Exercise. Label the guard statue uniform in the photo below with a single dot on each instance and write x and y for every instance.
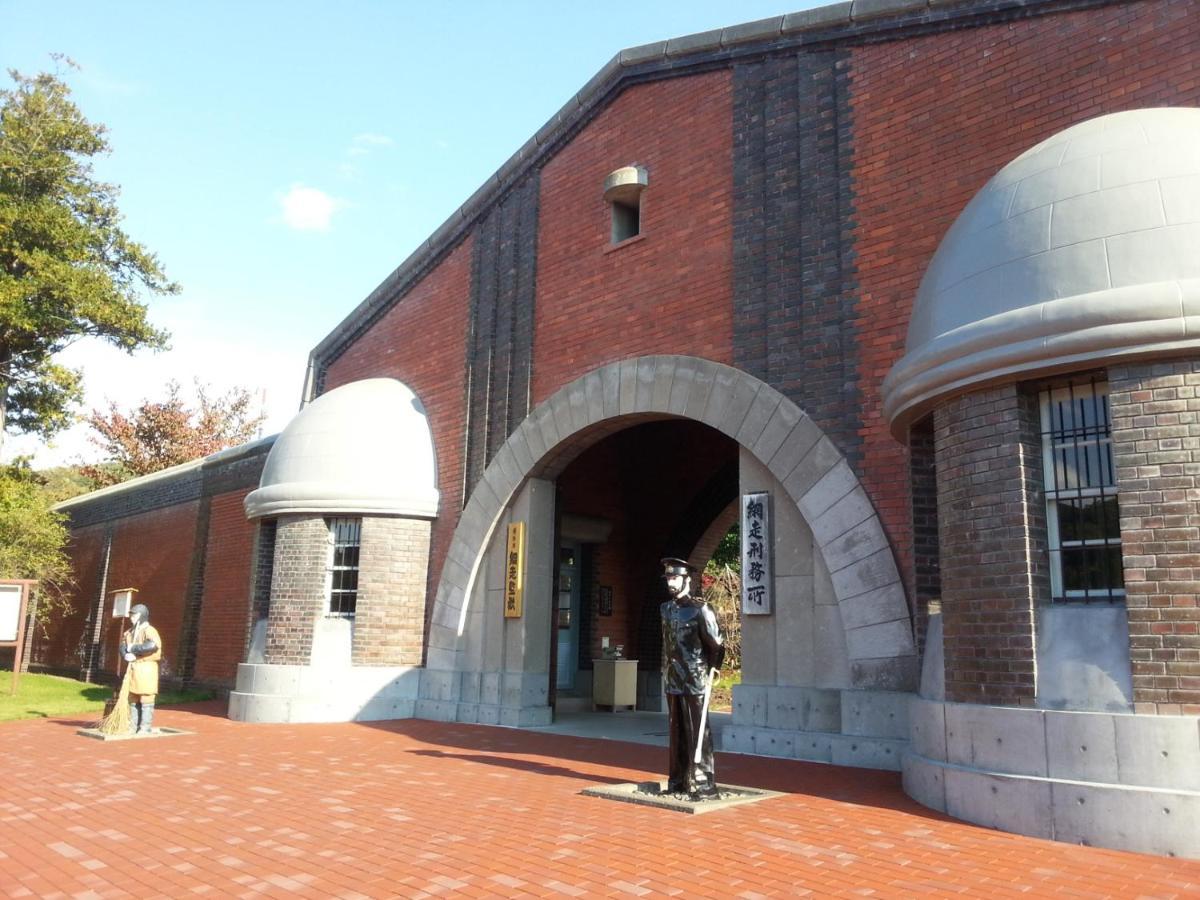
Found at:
(693, 648)
(142, 649)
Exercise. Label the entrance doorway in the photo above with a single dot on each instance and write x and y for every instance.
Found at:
(567, 610)
(650, 490)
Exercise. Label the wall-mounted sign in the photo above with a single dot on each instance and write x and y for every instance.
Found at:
(605, 600)
(10, 612)
(514, 571)
(757, 585)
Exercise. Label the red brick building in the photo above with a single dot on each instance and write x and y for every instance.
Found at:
(727, 266)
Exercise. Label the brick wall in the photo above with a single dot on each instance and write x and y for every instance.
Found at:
(991, 522)
(665, 291)
(298, 588)
(500, 342)
(389, 622)
(221, 640)
(153, 553)
(264, 566)
(793, 290)
(58, 645)
(935, 116)
(1155, 411)
(927, 578)
(422, 342)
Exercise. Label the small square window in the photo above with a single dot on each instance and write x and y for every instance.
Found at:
(623, 192)
(626, 221)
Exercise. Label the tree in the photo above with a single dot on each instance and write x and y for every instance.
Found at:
(32, 538)
(67, 270)
(164, 433)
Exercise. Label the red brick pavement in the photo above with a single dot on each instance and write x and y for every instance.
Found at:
(413, 809)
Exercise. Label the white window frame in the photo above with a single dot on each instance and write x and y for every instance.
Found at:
(1099, 479)
(343, 532)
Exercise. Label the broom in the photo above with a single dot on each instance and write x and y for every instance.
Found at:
(117, 721)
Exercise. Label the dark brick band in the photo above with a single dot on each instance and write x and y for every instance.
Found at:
(500, 339)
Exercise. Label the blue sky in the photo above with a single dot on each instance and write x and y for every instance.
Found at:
(282, 158)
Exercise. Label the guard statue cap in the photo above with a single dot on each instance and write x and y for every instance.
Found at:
(674, 566)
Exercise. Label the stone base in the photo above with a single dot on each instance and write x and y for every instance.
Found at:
(98, 735)
(812, 746)
(277, 693)
(652, 793)
(1127, 782)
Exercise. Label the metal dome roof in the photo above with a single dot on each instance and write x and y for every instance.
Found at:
(1084, 249)
(363, 448)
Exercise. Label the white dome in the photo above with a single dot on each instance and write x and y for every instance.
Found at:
(363, 448)
(1082, 250)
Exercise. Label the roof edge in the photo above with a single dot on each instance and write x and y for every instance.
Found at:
(221, 457)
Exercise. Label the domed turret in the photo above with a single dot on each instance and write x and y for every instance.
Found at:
(363, 448)
(1084, 248)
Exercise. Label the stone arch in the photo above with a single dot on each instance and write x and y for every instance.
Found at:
(813, 473)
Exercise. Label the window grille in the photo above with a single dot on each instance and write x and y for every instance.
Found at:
(1082, 519)
(344, 538)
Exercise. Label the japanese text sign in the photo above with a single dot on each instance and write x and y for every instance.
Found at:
(514, 571)
(756, 554)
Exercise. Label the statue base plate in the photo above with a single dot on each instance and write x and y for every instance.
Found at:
(97, 734)
(652, 793)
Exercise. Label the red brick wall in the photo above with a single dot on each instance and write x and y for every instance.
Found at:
(935, 117)
(57, 647)
(422, 342)
(225, 607)
(153, 553)
(667, 291)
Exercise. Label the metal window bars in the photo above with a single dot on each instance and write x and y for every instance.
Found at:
(345, 538)
(1082, 519)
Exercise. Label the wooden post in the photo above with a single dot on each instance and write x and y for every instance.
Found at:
(18, 645)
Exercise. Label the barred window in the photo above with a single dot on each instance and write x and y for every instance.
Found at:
(344, 540)
(1082, 523)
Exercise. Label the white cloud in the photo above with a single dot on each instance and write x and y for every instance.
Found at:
(308, 209)
(369, 139)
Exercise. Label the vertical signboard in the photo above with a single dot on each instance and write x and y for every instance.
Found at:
(14, 603)
(10, 612)
(757, 585)
(514, 571)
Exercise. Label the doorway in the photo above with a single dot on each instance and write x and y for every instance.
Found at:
(567, 612)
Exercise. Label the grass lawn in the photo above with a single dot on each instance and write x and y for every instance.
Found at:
(722, 696)
(43, 696)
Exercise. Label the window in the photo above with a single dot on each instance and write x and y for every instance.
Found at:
(623, 193)
(1082, 523)
(626, 220)
(344, 540)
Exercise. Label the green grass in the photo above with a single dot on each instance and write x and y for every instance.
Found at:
(722, 696)
(45, 696)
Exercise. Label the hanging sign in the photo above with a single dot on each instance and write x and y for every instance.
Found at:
(514, 571)
(756, 554)
(122, 602)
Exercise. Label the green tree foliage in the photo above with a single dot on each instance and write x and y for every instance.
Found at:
(164, 433)
(67, 270)
(729, 551)
(32, 537)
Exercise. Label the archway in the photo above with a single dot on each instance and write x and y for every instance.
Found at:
(810, 470)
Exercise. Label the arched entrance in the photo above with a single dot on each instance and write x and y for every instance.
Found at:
(787, 446)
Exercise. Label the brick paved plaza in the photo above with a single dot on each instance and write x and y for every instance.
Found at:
(415, 809)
